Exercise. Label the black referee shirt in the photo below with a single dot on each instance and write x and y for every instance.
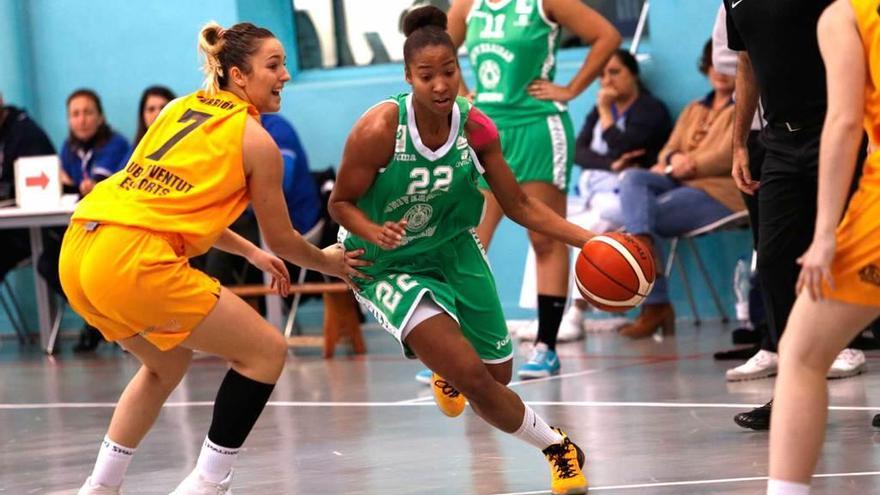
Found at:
(780, 38)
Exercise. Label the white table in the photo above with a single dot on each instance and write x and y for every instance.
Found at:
(34, 220)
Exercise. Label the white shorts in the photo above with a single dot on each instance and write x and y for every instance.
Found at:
(426, 309)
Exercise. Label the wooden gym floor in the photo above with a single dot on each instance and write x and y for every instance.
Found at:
(653, 418)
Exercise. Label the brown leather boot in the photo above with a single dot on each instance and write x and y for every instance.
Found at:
(652, 317)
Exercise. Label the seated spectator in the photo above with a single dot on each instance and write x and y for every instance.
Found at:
(93, 151)
(688, 188)
(627, 128)
(153, 100)
(303, 206)
(19, 137)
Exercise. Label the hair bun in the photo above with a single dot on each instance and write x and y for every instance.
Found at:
(423, 17)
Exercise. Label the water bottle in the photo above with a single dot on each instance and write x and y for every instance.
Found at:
(741, 286)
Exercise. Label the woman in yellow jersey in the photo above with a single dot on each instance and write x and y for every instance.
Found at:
(124, 262)
(839, 283)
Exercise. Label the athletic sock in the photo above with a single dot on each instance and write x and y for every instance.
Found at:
(779, 487)
(215, 461)
(550, 311)
(536, 432)
(113, 460)
(239, 402)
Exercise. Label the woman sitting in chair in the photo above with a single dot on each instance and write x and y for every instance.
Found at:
(690, 187)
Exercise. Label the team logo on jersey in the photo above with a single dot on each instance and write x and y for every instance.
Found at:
(400, 143)
(405, 157)
(490, 74)
(418, 216)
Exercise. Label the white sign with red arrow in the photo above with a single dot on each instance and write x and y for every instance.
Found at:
(38, 182)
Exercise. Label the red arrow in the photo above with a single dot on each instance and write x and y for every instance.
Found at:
(42, 180)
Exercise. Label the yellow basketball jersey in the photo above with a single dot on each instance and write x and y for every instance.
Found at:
(868, 19)
(185, 177)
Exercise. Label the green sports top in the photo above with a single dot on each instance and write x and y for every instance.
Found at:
(511, 43)
(434, 190)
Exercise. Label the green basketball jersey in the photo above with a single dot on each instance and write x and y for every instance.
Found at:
(434, 190)
(510, 44)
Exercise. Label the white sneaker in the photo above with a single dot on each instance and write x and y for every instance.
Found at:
(194, 484)
(850, 362)
(89, 489)
(764, 364)
(571, 327)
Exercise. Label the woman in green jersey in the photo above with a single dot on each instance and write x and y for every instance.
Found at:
(407, 192)
(512, 47)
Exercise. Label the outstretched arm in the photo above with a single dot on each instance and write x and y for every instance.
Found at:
(522, 209)
(264, 171)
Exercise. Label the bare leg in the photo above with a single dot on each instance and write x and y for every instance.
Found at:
(491, 218)
(815, 334)
(551, 256)
(439, 343)
(142, 399)
(502, 372)
(232, 330)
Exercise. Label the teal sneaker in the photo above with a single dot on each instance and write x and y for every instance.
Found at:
(541, 364)
(424, 376)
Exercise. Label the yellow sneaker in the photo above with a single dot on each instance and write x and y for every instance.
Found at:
(566, 461)
(449, 400)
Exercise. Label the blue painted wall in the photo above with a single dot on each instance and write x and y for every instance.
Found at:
(16, 75)
(118, 48)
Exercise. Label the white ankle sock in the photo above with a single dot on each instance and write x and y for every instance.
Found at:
(113, 460)
(536, 432)
(779, 487)
(215, 461)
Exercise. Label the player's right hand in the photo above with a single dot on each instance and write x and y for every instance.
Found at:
(740, 172)
(391, 235)
(816, 266)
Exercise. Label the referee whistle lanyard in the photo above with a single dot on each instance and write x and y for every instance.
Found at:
(85, 157)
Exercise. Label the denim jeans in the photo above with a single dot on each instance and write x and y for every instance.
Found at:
(656, 205)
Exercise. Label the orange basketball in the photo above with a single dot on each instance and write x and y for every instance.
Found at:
(615, 272)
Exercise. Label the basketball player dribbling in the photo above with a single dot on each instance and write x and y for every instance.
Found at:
(407, 195)
(839, 283)
(124, 261)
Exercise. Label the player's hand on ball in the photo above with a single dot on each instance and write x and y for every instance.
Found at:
(391, 235)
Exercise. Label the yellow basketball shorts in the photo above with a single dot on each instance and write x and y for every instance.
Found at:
(856, 265)
(129, 281)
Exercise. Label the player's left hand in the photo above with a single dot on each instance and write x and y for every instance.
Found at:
(816, 267)
(543, 89)
(275, 267)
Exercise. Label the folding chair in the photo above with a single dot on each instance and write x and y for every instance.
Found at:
(13, 311)
(734, 220)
